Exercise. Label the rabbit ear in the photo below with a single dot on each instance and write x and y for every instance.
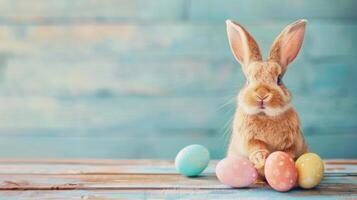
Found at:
(287, 45)
(242, 44)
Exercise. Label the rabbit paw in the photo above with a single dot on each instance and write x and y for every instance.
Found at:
(258, 158)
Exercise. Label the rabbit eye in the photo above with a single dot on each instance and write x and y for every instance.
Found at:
(279, 80)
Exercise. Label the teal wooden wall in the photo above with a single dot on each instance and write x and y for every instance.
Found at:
(143, 78)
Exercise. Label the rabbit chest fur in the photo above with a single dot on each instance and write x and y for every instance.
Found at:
(281, 133)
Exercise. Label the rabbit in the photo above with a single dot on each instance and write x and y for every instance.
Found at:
(264, 120)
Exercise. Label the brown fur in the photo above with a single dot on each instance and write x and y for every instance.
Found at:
(265, 121)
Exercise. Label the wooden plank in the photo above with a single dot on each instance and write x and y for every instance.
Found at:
(127, 41)
(109, 10)
(91, 166)
(42, 11)
(333, 168)
(329, 185)
(102, 184)
(112, 113)
(210, 10)
(164, 145)
(171, 77)
(74, 116)
(315, 115)
(132, 162)
(323, 79)
(244, 194)
(327, 40)
(124, 40)
(121, 162)
(174, 77)
(332, 147)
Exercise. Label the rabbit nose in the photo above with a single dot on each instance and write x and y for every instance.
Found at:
(262, 93)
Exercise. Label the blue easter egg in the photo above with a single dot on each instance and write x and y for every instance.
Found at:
(192, 160)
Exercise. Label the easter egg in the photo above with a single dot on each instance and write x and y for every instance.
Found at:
(236, 171)
(310, 170)
(192, 160)
(280, 171)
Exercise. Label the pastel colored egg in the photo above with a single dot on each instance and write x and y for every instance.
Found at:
(310, 170)
(236, 171)
(192, 160)
(280, 171)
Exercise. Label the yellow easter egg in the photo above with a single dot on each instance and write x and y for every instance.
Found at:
(310, 170)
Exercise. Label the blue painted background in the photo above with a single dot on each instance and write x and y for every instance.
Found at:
(143, 78)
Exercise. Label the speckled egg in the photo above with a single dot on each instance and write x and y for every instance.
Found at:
(280, 171)
(192, 160)
(310, 170)
(236, 171)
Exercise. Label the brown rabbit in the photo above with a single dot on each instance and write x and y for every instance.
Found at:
(265, 120)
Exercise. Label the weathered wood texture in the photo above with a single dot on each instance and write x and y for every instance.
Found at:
(143, 78)
(148, 179)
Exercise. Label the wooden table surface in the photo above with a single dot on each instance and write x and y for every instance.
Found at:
(150, 179)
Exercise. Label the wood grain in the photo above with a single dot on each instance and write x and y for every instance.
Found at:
(71, 116)
(343, 184)
(101, 59)
(100, 146)
(271, 10)
(112, 179)
(112, 79)
(167, 194)
(52, 11)
(334, 168)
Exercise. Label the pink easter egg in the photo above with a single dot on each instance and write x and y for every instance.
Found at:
(236, 171)
(280, 171)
